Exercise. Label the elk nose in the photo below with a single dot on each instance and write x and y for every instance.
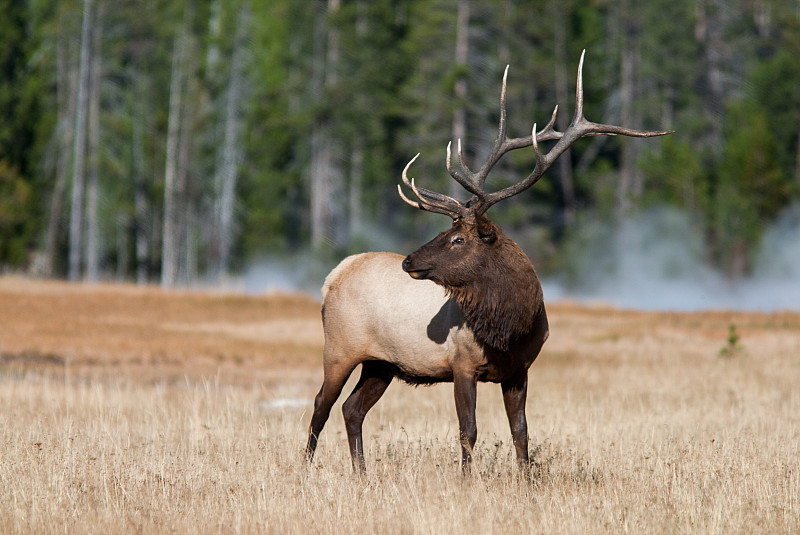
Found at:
(407, 263)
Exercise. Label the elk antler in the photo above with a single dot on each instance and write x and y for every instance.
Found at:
(431, 201)
(473, 181)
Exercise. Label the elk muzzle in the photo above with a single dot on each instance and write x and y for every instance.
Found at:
(416, 272)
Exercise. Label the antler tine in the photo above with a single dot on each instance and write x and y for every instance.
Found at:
(548, 132)
(408, 201)
(582, 127)
(465, 182)
(579, 91)
(405, 170)
(473, 181)
(431, 196)
(430, 201)
(535, 143)
(588, 128)
(501, 144)
(462, 163)
(501, 131)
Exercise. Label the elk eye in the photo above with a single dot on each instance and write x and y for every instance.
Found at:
(457, 240)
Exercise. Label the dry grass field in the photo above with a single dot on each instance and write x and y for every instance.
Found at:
(131, 410)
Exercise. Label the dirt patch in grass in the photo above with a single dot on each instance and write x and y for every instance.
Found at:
(146, 333)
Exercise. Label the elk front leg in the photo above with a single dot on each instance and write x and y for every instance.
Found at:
(515, 393)
(465, 389)
(375, 379)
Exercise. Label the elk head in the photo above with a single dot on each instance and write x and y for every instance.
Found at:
(458, 255)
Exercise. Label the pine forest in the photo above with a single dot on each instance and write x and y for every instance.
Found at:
(182, 142)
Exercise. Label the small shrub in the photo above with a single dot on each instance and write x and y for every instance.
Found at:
(732, 348)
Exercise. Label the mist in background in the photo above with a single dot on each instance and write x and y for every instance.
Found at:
(654, 261)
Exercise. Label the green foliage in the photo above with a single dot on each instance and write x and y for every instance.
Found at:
(675, 175)
(16, 198)
(774, 85)
(732, 348)
(381, 77)
(19, 120)
(18, 96)
(750, 186)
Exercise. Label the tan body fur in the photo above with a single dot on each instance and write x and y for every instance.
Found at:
(372, 310)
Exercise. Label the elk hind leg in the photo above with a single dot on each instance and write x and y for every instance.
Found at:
(375, 379)
(335, 378)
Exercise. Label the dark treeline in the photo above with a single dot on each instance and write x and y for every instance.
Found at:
(159, 140)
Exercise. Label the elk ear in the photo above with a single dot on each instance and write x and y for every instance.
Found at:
(486, 230)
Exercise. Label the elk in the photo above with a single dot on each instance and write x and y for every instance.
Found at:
(465, 307)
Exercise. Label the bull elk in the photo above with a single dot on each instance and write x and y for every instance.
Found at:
(465, 307)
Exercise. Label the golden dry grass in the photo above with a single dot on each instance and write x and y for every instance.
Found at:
(127, 410)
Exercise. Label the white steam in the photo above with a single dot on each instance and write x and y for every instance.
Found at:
(655, 262)
(652, 262)
(280, 274)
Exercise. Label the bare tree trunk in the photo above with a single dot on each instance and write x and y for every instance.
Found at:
(189, 271)
(709, 32)
(320, 186)
(356, 171)
(170, 247)
(356, 179)
(139, 193)
(562, 97)
(79, 150)
(326, 171)
(214, 32)
(66, 83)
(186, 217)
(231, 151)
(92, 260)
(461, 60)
(121, 223)
(631, 185)
(625, 187)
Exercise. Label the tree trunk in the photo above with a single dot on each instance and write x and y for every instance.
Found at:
(170, 246)
(186, 218)
(631, 186)
(563, 118)
(92, 224)
(66, 82)
(323, 173)
(138, 120)
(461, 62)
(121, 227)
(709, 32)
(79, 150)
(326, 172)
(356, 179)
(231, 152)
(214, 33)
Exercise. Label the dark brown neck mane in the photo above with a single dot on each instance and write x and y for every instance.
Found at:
(504, 300)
